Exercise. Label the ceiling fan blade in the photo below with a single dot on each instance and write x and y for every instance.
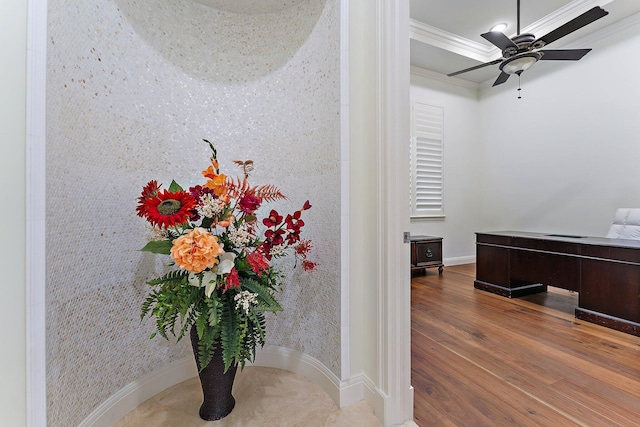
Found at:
(501, 79)
(575, 24)
(563, 54)
(499, 39)
(486, 64)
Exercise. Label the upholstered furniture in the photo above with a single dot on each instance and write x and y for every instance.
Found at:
(626, 224)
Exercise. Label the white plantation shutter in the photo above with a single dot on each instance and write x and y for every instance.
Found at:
(426, 160)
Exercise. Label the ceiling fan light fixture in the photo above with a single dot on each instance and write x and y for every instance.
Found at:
(519, 53)
(519, 63)
(499, 27)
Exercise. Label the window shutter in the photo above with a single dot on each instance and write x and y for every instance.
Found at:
(426, 160)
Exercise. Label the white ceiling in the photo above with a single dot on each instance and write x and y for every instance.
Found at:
(445, 34)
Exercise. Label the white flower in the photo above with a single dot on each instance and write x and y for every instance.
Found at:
(224, 266)
(157, 233)
(226, 263)
(278, 249)
(240, 237)
(210, 207)
(244, 299)
(206, 278)
(195, 280)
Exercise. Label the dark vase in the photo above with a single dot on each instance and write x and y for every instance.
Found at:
(216, 384)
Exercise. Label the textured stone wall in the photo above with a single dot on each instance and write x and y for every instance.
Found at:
(132, 88)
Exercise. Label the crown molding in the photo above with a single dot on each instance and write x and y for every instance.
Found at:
(428, 34)
(423, 72)
(451, 42)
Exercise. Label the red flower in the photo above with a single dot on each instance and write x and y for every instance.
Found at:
(232, 280)
(273, 220)
(249, 203)
(265, 250)
(294, 223)
(303, 248)
(257, 262)
(293, 237)
(198, 191)
(309, 265)
(148, 192)
(274, 237)
(167, 209)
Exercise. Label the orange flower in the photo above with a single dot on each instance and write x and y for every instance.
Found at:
(216, 182)
(196, 251)
(226, 220)
(212, 170)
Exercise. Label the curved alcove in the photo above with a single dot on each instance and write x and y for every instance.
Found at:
(221, 41)
(251, 7)
(132, 89)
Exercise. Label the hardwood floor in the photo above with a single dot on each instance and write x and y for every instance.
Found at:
(479, 359)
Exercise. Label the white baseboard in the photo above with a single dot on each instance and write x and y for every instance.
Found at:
(362, 388)
(373, 396)
(272, 356)
(459, 260)
(343, 393)
(135, 393)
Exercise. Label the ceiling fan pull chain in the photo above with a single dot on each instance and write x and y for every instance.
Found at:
(519, 96)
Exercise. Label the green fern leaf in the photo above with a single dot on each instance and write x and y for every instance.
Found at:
(267, 302)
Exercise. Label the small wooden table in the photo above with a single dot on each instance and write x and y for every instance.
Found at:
(426, 252)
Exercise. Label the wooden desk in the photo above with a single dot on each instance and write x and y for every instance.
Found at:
(605, 272)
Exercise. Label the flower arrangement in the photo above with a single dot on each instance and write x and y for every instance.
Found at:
(222, 282)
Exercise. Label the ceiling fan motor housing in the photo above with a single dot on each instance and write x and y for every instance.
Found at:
(523, 43)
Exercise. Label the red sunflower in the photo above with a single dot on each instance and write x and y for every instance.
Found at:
(167, 208)
(149, 191)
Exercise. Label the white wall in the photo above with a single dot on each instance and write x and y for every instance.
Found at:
(379, 284)
(565, 156)
(561, 159)
(462, 170)
(13, 48)
(363, 128)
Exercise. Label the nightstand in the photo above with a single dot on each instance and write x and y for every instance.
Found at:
(426, 252)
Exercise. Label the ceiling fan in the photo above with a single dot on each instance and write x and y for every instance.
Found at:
(520, 52)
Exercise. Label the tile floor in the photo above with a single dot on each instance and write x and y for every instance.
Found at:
(265, 397)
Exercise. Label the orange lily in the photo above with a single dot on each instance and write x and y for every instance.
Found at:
(217, 183)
